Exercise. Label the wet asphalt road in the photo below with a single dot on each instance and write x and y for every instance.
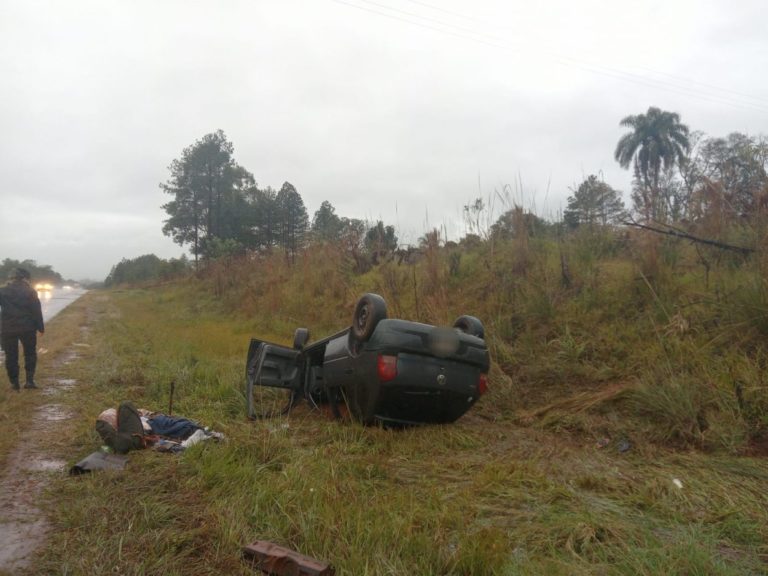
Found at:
(54, 301)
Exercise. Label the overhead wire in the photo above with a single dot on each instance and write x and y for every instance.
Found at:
(591, 67)
(756, 99)
(446, 11)
(473, 35)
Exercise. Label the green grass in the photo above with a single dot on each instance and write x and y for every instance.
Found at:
(518, 486)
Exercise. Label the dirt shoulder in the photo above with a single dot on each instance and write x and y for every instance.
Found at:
(37, 424)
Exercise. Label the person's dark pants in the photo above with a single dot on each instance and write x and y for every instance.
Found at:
(10, 344)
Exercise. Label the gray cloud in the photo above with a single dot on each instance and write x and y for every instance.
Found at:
(381, 115)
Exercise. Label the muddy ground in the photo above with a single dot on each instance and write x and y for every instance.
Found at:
(37, 457)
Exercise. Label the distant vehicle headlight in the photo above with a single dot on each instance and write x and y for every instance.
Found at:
(43, 287)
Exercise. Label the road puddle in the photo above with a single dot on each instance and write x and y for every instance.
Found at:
(53, 413)
(69, 357)
(60, 385)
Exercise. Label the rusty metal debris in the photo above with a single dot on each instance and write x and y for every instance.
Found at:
(277, 560)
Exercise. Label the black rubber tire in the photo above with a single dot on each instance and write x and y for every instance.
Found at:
(470, 325)
(369, 311)
(265, 402)
(300, 338)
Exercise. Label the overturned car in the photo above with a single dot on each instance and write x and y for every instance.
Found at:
(388, 371)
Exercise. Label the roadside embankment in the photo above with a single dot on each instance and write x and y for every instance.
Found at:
(502, 491)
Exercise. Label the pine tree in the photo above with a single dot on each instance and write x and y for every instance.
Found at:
(292, 222)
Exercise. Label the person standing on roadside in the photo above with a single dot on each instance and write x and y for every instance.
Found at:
(21, 317)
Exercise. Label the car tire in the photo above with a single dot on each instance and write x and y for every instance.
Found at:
(470, 325)
(370, 310)
(300, 338)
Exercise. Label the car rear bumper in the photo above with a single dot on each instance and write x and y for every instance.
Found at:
(428, 390)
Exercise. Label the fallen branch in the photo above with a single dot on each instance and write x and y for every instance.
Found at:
(680, 234)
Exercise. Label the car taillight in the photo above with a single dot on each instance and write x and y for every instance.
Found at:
(387, 367)
(482, 384)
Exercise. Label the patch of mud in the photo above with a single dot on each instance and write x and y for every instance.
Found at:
(69, 357)
(43, 464)
(20, 539)
(53, 413)
(22, 525)
(31, 465)
(59, 385)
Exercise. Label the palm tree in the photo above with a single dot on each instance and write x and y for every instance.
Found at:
(658, 141)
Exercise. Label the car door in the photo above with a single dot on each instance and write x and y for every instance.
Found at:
(276, 367)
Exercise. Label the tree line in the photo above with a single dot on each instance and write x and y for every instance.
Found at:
(217, 209)
(39, 272)
(146, 268)
(679, 176)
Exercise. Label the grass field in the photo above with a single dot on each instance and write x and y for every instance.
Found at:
(537, 479)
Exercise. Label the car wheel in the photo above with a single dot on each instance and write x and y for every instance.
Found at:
(470, 325)
(300, 338)
(370, 310)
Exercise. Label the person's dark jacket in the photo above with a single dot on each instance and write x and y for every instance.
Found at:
(21, 311)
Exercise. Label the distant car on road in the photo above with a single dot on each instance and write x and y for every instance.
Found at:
(43, 286)
(388, 371)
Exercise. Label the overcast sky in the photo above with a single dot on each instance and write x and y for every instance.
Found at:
(395, 109)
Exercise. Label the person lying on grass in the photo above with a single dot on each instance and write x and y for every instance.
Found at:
(128, 428)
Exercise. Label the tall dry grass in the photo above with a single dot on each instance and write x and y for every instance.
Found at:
(607, 444)
(618, 436)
